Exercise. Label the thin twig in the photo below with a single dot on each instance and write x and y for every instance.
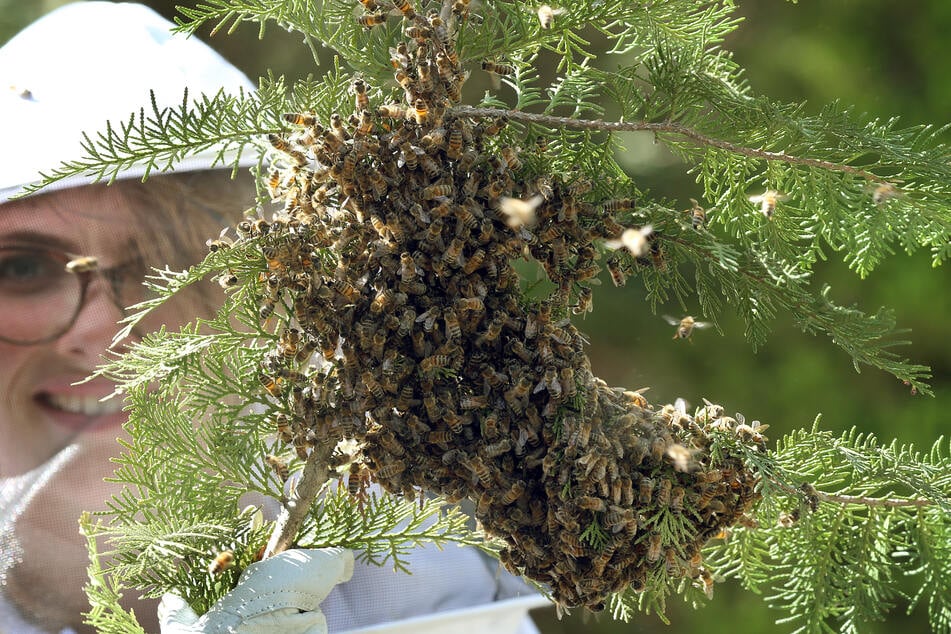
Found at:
(862, 500)
(672, 128)
(292, 516)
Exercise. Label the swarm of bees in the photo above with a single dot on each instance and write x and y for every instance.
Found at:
(435, 363)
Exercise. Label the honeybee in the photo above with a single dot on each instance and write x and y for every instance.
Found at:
(495, 68)
(221, 562)
(391, 111)
(453, 330)
(706, 496)
(645, 491)
(454, 143)
(585, 301)
(682, 458)
(391, 469)
(406, 8)
(698, 215)
(361, 101)
(768, 201)
(280, 467)
(546, 15)
(271, 385)
(421, 111)
(686, 326)
(634, 240)
(370, 5)
(655, 545)
(82, 264)
(496, 449)
(373, 386)
(591, 503)
(753, 431)
(281, 145)
(510, 156)
(618, 204)
(663, 492)
(707, 580)
(300, 119)
(496, 126)
(370, 20)
(884, 192)
(677, 499)
(566, 376)
(519, 213)
(434, 362)
(481, 471)
(437, 191)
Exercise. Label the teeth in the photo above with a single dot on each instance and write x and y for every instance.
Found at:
(88, 405)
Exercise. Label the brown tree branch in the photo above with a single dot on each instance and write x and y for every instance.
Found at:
(662, 127)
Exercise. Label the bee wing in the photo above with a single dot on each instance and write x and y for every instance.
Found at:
(670, 320)
(756, 199)
(702, 324)
(680, 405)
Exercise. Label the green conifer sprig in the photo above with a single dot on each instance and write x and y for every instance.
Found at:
(843, 523)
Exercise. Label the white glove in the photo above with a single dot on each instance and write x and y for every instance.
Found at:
(280, 594)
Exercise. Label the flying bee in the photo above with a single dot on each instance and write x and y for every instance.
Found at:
(768, 201)
(495, 68)
(406, 8)
(681, 458)
(221, 562)
(370, 5)
(82, 264)
(686, 326)
(698, 215)
(371, 20)
(519, 213)
(884, 192)
(546, 15)
(634, 240)
(280, 467)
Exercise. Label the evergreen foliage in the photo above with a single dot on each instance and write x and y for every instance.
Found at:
(844, 526)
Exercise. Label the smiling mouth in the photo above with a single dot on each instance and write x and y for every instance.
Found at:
(84, 404)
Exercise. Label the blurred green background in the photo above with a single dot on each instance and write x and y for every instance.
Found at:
(886, 58)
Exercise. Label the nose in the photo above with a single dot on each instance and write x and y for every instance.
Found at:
(96, 323)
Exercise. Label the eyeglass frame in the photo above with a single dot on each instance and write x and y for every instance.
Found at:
(85, 276)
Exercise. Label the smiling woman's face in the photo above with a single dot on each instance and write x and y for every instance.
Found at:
(42, 410)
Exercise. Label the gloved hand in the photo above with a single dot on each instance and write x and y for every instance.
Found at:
(280, 594)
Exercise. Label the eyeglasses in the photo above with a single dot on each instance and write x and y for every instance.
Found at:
(42, 291)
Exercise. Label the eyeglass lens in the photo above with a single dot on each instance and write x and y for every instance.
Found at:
(39, 299)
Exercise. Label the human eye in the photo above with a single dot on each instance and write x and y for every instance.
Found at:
(25, 271)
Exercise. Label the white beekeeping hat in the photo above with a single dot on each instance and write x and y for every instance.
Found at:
(89, 62)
